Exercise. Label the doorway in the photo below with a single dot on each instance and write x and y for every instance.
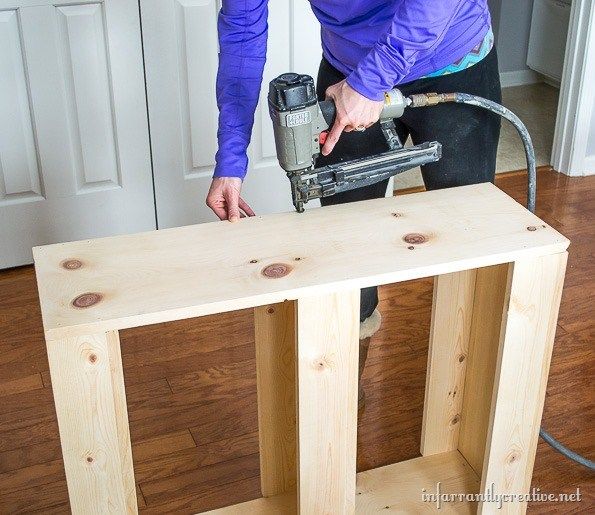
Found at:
(531, 42)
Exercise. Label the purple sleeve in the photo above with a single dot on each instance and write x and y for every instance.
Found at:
(242, 27)
(416, 29)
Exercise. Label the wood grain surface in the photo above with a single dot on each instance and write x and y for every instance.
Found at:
(394, 488)
(327, 351)
(275, 339)
(191, 388)
(106, 284)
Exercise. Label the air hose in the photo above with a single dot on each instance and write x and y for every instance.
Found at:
(431, 99)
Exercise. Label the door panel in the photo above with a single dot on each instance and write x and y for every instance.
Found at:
(83, 58)
(19, 170)
(195, 37)
(74, 150)
(180, 42)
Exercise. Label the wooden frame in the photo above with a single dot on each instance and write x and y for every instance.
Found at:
(498, 270)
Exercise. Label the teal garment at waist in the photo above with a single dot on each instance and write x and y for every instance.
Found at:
(477, 53)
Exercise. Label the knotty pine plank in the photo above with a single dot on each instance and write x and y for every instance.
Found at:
(389, 427)
(201, 280)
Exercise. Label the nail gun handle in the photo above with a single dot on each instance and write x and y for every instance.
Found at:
(394, 105)
(327, 107)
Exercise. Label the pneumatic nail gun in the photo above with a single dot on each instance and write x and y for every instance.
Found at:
(300, 126)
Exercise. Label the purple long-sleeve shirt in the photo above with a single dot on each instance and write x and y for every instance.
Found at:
(377, 44)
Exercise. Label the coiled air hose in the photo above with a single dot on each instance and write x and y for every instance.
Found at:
(431, 99)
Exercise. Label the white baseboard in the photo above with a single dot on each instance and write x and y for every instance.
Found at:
(589, 166)
(519, 78)
(586, 167)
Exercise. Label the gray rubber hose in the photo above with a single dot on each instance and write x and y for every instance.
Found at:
(430, 99)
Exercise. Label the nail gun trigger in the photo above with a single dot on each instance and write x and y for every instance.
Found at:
(322, 137)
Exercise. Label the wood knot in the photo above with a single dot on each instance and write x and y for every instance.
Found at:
(89, 459)
(512, 457)
(297, 259)
(397, 215)
(461, 358)
(276, 270)
(93, 358)
(455, 420)
(321, 363)
(411, 247)
(415, 238)
(86, 300)
(270, 311)
(531, 228)
(254, 261)
(71, 264)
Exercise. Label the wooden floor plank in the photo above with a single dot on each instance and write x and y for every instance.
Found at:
(215, 497)
(195, 481)
(30, 455)
(135, 373)
(163, 445)
(33, 475)
(210, 384)
(194, 458)
(42, 428)
(34, 499)
(20, 385)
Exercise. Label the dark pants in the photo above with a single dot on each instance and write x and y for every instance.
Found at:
(469, 137)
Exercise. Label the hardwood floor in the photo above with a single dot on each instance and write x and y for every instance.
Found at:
(192, 396)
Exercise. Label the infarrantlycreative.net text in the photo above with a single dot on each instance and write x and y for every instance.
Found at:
(439, 498)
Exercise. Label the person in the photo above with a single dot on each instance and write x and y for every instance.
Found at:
(368, 47)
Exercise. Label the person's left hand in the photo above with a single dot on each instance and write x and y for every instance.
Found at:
(352, 110)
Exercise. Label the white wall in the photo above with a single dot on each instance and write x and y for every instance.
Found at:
(514, 26)
(589, 166)
(511, 20)
(591, 139)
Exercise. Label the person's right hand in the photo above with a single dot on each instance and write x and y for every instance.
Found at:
(225, 200)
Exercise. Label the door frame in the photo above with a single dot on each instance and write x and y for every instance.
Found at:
(577, 95)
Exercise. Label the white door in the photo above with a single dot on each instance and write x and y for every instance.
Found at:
(180, 43)
(74, 148)
(547, 39)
